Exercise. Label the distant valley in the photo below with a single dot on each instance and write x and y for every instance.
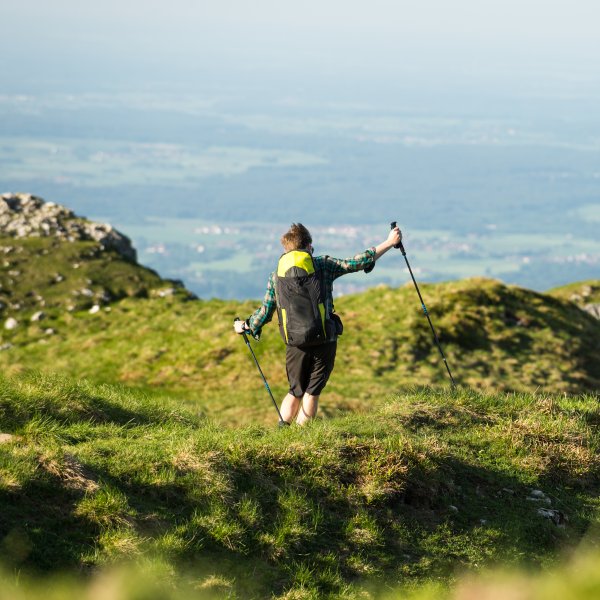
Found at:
(512, 195)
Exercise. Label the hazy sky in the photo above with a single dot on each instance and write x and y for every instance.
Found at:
(329, 37)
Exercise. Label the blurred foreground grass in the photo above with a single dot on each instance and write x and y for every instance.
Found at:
(575, 579)
(428, 486)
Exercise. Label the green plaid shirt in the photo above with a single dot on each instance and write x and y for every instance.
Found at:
(331, 268)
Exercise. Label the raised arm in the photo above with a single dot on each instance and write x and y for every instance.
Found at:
(393, 238)
(364, 261)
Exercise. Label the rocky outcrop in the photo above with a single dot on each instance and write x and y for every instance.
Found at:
(25, 215)
(593, 309)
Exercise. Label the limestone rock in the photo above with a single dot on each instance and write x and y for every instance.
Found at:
(25, 215)
(593, 309)
(11, 323)
(165, 293)
(38, 316)
(556, 516)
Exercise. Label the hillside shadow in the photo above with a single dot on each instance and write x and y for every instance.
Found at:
(446, 512)
(39, 530)
(470, 500)
(93, 408)
(450, 500)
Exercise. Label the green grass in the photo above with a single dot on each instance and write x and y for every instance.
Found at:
(140, 456)
(581, 292)
(57, 277)
(496, 337)
(98, 474)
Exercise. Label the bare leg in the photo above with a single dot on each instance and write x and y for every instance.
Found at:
(308, 410)
(289, 407)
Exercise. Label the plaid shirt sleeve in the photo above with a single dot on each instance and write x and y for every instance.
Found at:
(265, 313)
(336, 267)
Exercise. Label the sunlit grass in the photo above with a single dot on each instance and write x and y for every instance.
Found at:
(428, 485)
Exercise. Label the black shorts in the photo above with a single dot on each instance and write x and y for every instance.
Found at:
(309, 367)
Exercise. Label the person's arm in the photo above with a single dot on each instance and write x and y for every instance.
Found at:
(364, 261)
(262, 315)
(394, 238)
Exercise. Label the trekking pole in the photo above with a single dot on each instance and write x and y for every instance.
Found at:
(281, 421)
(435, 337)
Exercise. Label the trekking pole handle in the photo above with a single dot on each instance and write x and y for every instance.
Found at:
(399, 244)
(243, 332)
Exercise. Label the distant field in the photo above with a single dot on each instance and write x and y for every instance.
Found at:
(243, 254)
(97, 162)
(591, 212)
(511, 194)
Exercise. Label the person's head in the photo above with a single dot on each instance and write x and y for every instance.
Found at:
(296, 238)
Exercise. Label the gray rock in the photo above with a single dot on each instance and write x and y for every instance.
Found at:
(50, 331)
(6, 346)
(165, 293)
(544, 500)
(593, 309)
(38, 316)
(25, 215)
(556, 516)
(11, 323)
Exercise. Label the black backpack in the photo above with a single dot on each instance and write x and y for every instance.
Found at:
(300, 296)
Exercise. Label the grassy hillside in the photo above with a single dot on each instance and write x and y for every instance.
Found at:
(581, 292)
(148, 333)
(54, 276)
(430, 484)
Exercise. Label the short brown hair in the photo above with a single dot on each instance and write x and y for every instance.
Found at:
(296, 238)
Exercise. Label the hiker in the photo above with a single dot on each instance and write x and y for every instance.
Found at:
(301, 290)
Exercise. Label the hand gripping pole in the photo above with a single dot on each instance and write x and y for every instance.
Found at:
(435, 337)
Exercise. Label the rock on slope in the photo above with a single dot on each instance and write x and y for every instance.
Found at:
(25, 215)
(52, 261)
